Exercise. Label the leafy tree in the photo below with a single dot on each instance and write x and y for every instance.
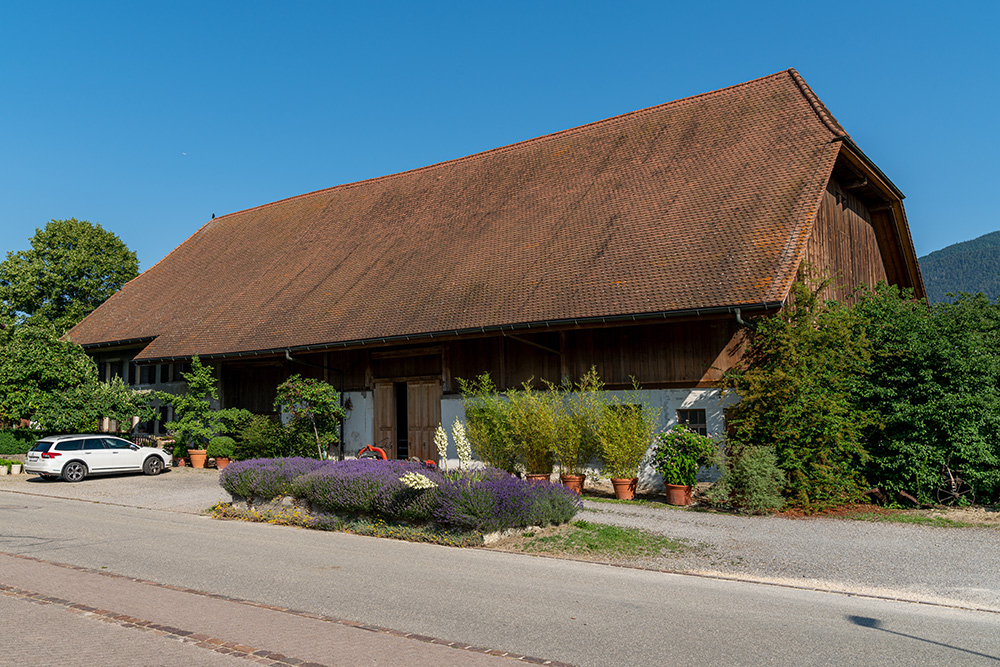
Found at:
(54, 384)
(313, 404)
(195, 422)
(35, 364)
(71, 268)
(796, 386)
(934, 382)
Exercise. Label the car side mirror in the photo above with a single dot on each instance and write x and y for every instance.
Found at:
(134, 447)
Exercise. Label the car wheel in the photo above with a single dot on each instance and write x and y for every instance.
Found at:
(153, 465)
(74, 471)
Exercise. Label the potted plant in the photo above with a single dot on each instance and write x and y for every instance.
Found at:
(677, 455)
(180, 454)
(221, 449)
(624, 433)
(533, 420)
(576, 442)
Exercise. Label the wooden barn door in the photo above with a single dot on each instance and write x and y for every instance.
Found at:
(385, 417)
(423, 414)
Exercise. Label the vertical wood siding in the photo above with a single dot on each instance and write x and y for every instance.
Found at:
(843, 244)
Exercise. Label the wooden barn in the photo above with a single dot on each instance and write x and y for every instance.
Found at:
(634, 244)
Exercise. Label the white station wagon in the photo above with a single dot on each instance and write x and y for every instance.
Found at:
(74, 457)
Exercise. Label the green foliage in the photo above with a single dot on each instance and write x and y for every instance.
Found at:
(35, 364)
(751, 480)
(934, 382)
(54, 384)
(488, 426)
(624, 433)
(796, 382)
(576, 442)
(263, 437)
(533, 419)
(71, 268)
(180, 451)
(315, 407)
(679, 453)
(195, 422)
(221, 446)
(17, 441)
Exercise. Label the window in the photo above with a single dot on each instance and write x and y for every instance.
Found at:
(694, 420)
(69, 446)
(147, 374)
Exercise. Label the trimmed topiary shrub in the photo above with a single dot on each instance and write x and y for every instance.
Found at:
(221, 447)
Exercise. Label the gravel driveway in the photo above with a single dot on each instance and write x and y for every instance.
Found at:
(957, 566)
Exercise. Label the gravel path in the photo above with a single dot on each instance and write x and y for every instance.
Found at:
(959, 566)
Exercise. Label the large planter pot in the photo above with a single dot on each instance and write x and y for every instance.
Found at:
(221, 462)
(573, 482)
(625, 488)
(678, 494)
(537, 477)
(198, 457)
(15, 469)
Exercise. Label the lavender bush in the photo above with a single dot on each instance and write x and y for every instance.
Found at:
(494, 500)
(265, 478)
(484, 499)
(370, 486)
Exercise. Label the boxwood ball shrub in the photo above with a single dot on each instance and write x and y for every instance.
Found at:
(265, 478)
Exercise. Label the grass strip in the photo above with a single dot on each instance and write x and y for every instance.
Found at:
(594, 539)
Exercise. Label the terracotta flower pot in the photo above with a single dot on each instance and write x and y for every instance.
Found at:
(538, 477)
(221, 462)
(180, 462)
(198, 457)
(573, 482)
(625, 488)
(678, 494)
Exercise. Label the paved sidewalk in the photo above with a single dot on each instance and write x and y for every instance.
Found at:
(61, 615)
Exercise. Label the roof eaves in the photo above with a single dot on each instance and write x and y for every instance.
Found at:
(569, 323)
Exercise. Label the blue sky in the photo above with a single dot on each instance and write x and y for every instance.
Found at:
(149, 117)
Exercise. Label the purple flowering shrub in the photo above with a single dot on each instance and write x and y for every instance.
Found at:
(493, 500)
(265, 478)
(486, 499)
(372, 487)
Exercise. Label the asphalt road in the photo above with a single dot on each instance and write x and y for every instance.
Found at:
(581, 613)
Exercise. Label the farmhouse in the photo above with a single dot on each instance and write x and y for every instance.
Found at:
(635, 244)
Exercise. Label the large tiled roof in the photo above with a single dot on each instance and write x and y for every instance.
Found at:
(699, 203)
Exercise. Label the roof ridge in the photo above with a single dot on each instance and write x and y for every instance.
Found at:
(817, 105)
(543, 137)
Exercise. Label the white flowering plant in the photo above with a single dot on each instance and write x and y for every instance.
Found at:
(462, 444)
(415, 480)
(441, 442)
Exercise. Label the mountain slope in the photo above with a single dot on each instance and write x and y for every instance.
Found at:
(970, 266)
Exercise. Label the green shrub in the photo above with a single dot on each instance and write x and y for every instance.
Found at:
(625, 432)
(18, 441)
(751, 481)
(264, 438)
(221, 446)
(679, 453)
(488, 424)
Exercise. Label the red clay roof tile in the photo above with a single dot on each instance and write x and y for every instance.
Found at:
(698, 203)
